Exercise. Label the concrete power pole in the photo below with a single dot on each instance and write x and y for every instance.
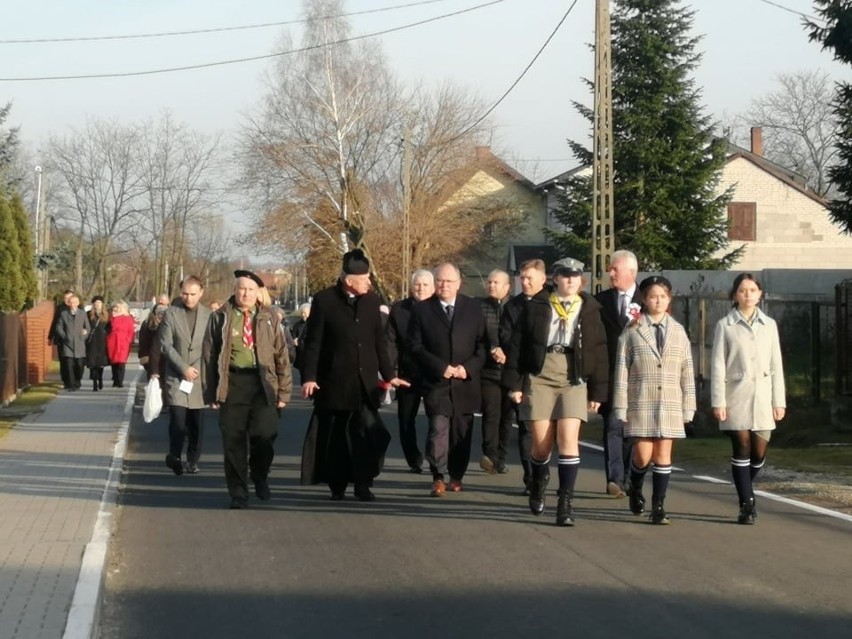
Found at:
(406, 213)
(603, 214)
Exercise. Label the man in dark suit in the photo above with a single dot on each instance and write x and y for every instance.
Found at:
(408, 399)
(497, 407)
(447, 338)
(345, 350)
(617, 305)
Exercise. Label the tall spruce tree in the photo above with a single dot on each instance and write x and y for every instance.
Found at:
(28, 291)
(667, 163)
(836, 34)
(10, 260)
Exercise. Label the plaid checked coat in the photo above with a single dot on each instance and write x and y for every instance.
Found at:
(654, 391)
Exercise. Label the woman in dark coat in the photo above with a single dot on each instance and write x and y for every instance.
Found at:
(558, 371)
(96, 351)
(149, 345)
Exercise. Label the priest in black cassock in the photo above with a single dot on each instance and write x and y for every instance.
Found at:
(345, 352)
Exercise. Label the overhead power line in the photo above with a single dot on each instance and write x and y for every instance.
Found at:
(778, 5)
(245, 27)
(207, 65)
(490, 110)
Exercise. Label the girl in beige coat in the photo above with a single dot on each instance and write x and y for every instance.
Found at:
(747, 386)
(654, 392)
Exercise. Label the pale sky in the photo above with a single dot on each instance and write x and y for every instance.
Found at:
(746, 44)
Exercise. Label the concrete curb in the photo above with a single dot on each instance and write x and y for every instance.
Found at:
(83, 616)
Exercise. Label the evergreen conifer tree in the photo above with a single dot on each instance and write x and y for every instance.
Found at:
(28, 291)
(667, 163)
(836, 34)
(10, 260)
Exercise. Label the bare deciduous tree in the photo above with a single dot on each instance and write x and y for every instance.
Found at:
(800, 128)
(101, 191)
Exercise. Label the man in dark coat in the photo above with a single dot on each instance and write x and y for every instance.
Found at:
(408, 399)
(615, 312)
(533, 276)
(345, 351)
(497, 408)
(64, 369)
(447, 337)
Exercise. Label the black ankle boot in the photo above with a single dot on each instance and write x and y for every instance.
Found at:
(538, 487)
(658, 513)
(637, 500)
(747, 512)
(565, 509)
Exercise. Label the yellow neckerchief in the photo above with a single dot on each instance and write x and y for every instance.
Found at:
(565, 315)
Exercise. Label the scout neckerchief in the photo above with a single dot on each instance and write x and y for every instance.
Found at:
(565, 315)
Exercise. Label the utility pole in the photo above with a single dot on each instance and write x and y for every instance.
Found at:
(406, 212)
(603, 214)
(37, 234)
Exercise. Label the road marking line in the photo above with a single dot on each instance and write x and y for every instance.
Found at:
(85, 605)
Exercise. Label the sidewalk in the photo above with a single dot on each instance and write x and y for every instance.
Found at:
(57, 468)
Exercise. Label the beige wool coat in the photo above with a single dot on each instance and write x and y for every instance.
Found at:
(653, 391)
(746, 374)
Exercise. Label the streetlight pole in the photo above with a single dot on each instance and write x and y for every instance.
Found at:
(39, 278)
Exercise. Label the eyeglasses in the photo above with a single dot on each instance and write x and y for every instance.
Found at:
(445, 281)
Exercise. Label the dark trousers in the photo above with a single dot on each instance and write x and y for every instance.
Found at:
(65, 371)
(186, 424)
(448, 446)
(249, 426)
(497, 414)
(616, 448)
(74, 367)
(97, 375)
(407, 405)
(118, 374)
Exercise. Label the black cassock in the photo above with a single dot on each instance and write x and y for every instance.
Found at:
(344, 446)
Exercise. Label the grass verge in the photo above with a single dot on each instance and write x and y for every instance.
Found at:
(805, 441)
(32, 400)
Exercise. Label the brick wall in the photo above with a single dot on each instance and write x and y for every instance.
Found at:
(39, 353)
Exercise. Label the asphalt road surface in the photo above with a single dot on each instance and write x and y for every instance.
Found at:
(471, 564)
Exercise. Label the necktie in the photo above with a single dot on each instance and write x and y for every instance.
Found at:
(248, 336)
(658, 330)
(622, 304)
(449, 310)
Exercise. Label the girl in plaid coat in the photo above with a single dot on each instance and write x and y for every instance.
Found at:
(654, 392)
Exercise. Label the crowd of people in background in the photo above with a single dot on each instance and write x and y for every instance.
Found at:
(540, 361)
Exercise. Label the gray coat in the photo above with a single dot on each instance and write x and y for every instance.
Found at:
(181, 348)
(71, 332)
(746, 375)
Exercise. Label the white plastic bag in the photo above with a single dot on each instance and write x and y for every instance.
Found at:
(153, 400)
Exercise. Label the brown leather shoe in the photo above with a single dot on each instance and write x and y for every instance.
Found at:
(456, 485)
(438, 488)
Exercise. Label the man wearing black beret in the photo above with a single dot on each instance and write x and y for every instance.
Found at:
(345, 351)
(246, 374)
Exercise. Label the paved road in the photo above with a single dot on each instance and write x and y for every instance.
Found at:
(473, 564)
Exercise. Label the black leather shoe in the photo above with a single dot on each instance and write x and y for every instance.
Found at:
(501, 468)
(338, 495)
(174, 463)
(747, 513)
(538, 488)
(637, 502)
(363, 493)
(238, 504)
(261, 489)
(565, 510)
